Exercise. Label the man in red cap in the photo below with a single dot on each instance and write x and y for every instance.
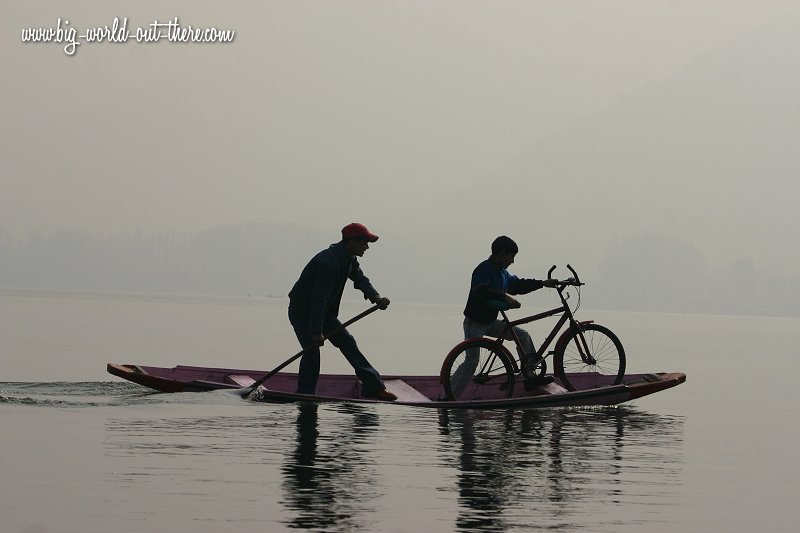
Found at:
(314, 308)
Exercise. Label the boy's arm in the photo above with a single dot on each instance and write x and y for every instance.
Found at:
(524, 286)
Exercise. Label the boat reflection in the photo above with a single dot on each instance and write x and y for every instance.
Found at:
(546, 468)
(328, 467)
(328, 481)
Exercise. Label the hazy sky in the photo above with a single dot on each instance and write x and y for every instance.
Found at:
(570, 125)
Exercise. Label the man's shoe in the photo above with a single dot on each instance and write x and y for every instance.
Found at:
(383, 396)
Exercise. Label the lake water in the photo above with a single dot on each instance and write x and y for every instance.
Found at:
(81, 450)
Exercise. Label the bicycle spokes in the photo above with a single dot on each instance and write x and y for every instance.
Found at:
(478, 370)
(593, 348)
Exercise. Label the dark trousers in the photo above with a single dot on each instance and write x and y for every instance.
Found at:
(309, 363)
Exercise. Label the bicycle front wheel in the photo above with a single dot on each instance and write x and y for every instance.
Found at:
(478, 369)
(605, 355)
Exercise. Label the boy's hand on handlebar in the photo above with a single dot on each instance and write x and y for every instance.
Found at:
(551, 283)
(512, 302)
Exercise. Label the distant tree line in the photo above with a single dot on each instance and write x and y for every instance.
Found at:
(641, 273)
(653, 272)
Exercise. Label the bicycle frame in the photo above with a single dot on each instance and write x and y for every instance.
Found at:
(566, 316)
(580, 344)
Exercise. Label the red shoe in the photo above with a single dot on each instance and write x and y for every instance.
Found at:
(383, 396)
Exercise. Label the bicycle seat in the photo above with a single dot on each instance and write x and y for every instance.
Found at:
(498, 305)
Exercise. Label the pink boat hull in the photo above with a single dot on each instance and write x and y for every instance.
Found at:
(418, 391)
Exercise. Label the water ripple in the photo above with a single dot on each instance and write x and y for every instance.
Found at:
(75, 394)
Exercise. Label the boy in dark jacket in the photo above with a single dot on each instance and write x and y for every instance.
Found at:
(491, 281)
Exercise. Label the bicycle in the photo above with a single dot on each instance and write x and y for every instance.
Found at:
(483, 368)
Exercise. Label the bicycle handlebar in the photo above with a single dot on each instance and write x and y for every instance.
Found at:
(575, 280)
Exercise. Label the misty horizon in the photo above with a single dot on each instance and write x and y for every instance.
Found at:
(646, 272)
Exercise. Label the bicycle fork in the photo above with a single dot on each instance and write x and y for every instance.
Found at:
(582, 345)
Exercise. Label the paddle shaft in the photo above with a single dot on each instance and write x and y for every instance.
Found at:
(289, 361)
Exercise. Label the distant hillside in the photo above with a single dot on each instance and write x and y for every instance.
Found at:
(649, 272)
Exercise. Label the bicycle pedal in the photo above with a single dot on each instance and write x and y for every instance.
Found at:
(531, 384)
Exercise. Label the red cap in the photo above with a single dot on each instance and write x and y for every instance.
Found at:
(358, 230)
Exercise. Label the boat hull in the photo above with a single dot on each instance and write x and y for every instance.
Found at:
(416, 391)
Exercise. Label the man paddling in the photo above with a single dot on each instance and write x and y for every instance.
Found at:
(314, 307)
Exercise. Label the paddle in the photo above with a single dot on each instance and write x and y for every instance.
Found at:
(244, 393)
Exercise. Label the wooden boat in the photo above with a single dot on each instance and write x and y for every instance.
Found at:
(418, 391)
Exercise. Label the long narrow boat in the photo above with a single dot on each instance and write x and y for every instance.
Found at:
(418, 391)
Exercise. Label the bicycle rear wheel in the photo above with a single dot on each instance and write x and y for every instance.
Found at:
(606, 355)
(478, 369)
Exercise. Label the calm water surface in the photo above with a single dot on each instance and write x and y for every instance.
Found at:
(82, 451)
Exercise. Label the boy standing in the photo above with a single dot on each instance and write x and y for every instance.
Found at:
(491, 281)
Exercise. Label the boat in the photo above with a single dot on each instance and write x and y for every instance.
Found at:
(417, 391)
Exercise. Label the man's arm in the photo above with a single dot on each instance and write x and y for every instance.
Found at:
(321, 289)
(361, 282)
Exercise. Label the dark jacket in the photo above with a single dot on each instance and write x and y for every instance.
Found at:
(490, 282)
(318, 292)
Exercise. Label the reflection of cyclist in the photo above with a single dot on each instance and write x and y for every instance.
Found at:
(491, 288)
